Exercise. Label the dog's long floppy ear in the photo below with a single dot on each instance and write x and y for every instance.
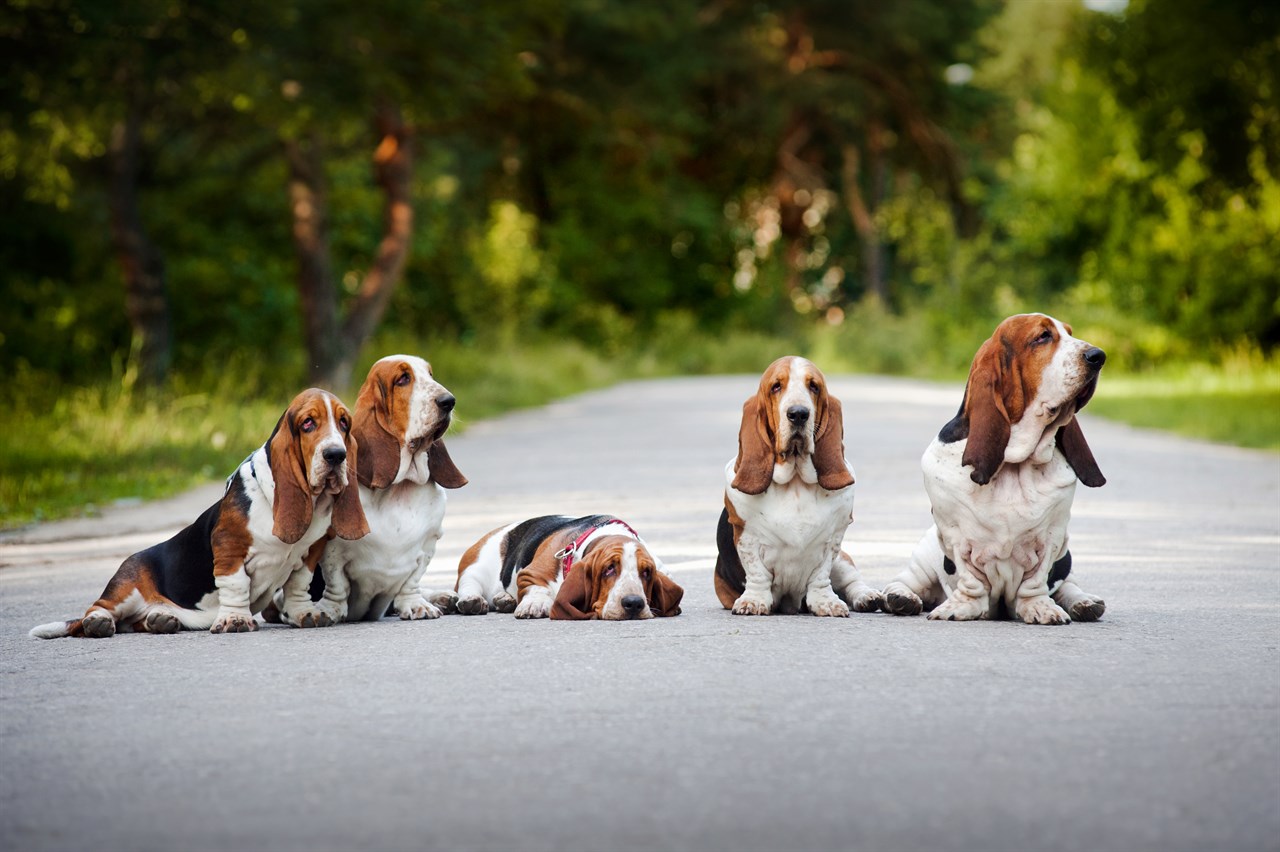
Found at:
(348, 520)
(664, 595)
(379, 449)
(753, 469)
(575, 597)
(828, 449)
(1076, 450)
(989, 425)
(443, 471)
(292, 505)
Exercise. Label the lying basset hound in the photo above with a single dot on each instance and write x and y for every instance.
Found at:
(568, 568)
(217, 573)
(788, 501)
(401, 416)
(1001, 477)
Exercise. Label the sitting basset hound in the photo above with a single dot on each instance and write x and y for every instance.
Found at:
(401, 416)
(1001, 477)
(568, 568)
(788, 501)
(217, 573)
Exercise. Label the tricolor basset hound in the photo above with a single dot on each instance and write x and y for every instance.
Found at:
(788, 501)
(566, 568)
(1001, 477)
(400, 419)
(217, 573)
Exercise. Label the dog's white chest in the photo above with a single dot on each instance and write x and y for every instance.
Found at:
(1008, 526)
(404, 524)
(796, 527)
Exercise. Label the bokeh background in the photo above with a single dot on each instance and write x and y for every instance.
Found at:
(205, 206)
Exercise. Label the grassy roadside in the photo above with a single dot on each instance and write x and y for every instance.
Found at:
(97, 445)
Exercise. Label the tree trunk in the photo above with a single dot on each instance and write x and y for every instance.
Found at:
(317, 290)
(146, 301)
(333, 346)
(393, 171)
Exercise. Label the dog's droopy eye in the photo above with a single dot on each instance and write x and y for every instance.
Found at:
(344, 424)
(402, 380)
(611, 569)
(308, 425)
(777, 388)
(813, 388)
(1046, 336)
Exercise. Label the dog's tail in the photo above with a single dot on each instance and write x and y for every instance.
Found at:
(58, 629)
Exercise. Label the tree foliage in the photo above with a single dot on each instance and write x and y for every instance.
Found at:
(189, 179)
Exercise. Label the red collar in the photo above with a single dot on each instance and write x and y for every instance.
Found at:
(573, 552)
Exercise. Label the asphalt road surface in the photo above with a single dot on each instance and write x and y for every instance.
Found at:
(1156, 728)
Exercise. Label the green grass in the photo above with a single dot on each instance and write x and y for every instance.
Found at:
(1236, 402)
(92, 446)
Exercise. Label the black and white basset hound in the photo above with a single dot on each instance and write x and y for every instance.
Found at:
(279, 507)
(1001, 477)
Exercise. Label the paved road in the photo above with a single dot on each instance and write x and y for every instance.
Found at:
(1157, 728)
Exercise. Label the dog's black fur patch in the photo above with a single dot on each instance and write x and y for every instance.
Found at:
(523, 541)
(728, 563)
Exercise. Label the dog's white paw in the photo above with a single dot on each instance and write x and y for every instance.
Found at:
(234, 623)
(963, 609)
(534, 606)
(417, 608)
(750, 604)
(1042, 610)
(829, 606)
(308, 616)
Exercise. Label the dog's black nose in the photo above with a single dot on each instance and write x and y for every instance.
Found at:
(1095, 358)
(632, 605)
(335, 455)
(797, 414)
(446, 402)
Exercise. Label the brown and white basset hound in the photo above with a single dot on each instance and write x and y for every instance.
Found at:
(217, 573)
(401, 416)
(566, 568)
(1001, 476)
(788, 501)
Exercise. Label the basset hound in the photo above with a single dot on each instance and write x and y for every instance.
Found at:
(566, 568)
(788, 501)
(217, 573)
(1001, 476)
(400, 419)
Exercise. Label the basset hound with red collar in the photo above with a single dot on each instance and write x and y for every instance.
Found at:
(593, 567)
(788, 501)
(217, 573)
(400, 419)
(1001, 476)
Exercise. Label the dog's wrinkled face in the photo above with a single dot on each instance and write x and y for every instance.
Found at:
(618, 571)
(321, 425)
(1026, 384)
(795, 390)
(402, 413)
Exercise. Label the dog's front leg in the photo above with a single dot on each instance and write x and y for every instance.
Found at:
(970, 599)
(409, 602)
(757, 594)
(1034, 606)
(819, 596)
(296, 607)
(233, 587)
